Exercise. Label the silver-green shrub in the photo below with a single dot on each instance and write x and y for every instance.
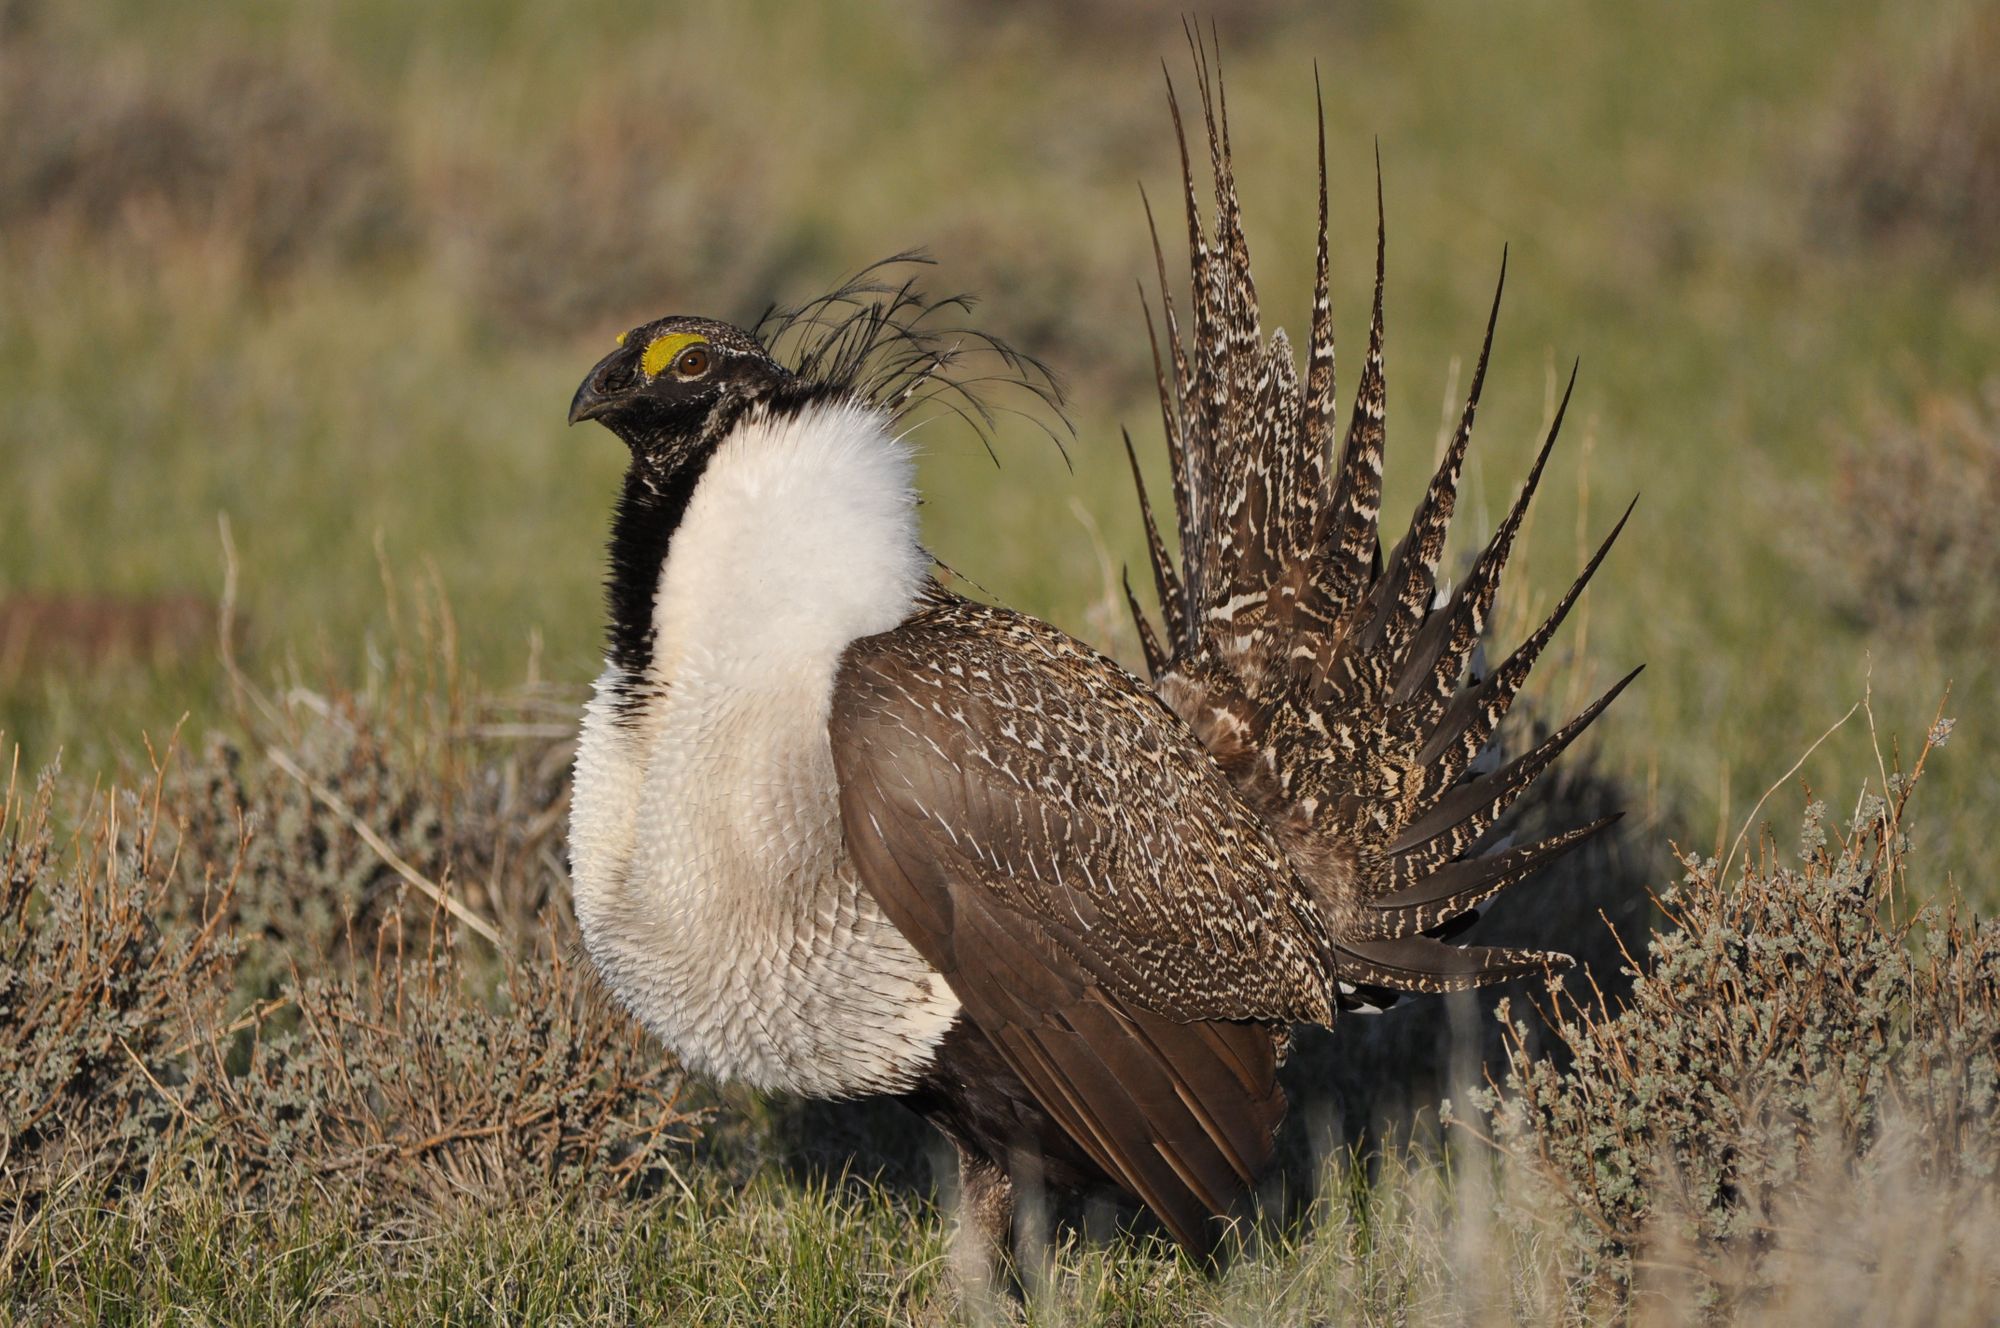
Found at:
(1798, 1020)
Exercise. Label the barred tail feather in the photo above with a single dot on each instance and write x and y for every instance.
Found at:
(1467, 810)
(1457, 888)
(1420, 964)
(1445, 643)
(1470, 719)
(1353, 551)
(1322, 390)
(1336, 694)
(1412, 578)
(1166, 583)
(1149, 644)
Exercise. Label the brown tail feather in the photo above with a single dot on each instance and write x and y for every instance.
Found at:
(1458, 887)
(1468, 810)
(1322, 387)
(1354, 545)
(1331, 691)
(1166, 584)
(1470, 720)
(1445, 643)
(1420, 964)
(1149, 644)
(1412, 578)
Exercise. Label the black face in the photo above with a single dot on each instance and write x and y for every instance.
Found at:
(669, 381)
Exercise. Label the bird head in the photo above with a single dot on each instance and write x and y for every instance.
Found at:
(672, 384)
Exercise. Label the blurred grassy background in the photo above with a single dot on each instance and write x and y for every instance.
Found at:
(333, 270)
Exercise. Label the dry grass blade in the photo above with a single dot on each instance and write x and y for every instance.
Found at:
(437, 894)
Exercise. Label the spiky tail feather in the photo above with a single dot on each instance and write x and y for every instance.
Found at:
(1331, 683)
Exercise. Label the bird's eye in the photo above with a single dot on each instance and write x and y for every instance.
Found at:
(693, 362)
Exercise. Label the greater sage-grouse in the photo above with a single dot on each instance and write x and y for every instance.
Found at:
(841, 831)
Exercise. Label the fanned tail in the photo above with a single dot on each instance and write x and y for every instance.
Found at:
(1334, 683)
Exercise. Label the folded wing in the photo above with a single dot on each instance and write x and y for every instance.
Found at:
(1057, 844)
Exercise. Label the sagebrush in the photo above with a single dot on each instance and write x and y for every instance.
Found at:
(213, 968)
(1803, 1028)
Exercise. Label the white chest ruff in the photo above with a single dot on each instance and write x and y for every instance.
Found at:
(711, 882)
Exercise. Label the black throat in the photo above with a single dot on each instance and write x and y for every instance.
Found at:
(650, 508)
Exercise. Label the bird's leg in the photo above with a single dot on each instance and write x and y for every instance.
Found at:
(985, 1226)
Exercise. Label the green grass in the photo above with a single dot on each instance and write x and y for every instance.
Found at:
(760, 1253)
(1397, 1239)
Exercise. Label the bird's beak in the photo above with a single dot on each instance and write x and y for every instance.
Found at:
(586, 405)
(590, 402)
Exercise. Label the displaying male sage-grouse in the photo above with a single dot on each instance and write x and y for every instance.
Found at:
(839, 831)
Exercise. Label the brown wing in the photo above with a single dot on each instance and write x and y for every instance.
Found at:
(1057, 844)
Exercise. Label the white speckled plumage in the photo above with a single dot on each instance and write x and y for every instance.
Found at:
(710, 879)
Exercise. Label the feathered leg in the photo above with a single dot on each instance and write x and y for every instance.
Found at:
(981, 1244)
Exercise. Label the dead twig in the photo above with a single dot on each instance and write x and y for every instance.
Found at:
(395, 861)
